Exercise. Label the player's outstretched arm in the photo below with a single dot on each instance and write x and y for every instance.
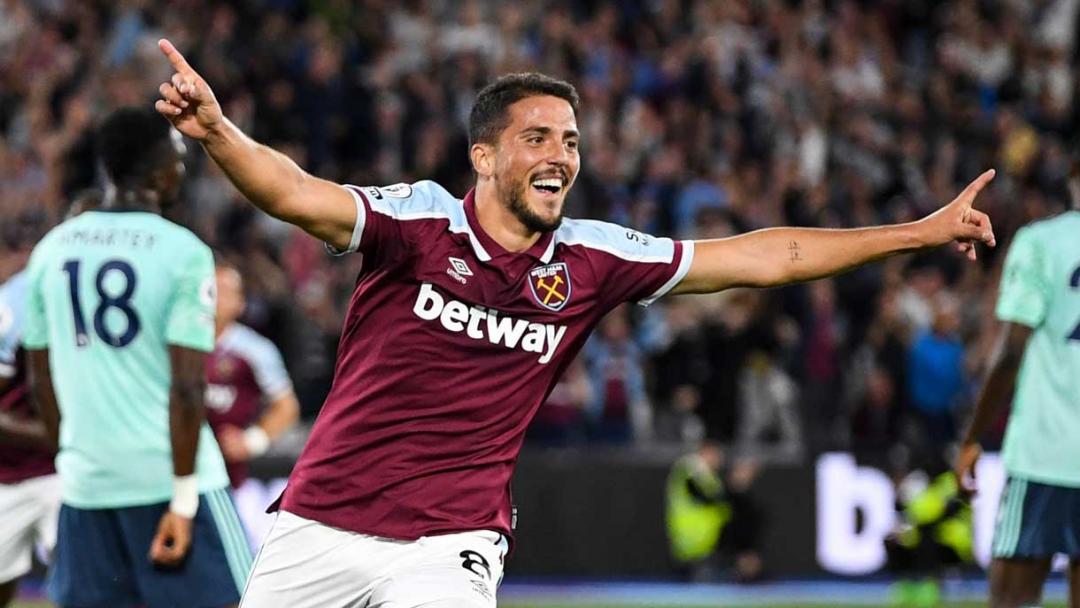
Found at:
(778, 256)
(996, 391)
(269, 179)
(42, 394)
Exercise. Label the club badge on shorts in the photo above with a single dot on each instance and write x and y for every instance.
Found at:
(551, 285)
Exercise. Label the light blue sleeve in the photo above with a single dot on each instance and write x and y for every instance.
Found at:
(1024, 294)
(12, 313)
(190, 321)
(36, 322)
(266, 362)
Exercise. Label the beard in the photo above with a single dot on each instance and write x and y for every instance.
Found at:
(515, 202)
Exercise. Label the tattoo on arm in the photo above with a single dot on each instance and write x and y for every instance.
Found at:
(793, 251)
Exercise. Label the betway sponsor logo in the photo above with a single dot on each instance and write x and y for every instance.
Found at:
(479, 323)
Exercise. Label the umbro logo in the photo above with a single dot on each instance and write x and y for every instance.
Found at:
(459, 270)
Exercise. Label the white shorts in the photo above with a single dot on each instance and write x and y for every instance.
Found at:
(307, 564)
(29, 516)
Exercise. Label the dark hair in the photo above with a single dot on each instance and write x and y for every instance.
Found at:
(130, 143)
(488, 116)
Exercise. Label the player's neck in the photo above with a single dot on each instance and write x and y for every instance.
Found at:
(500, 223)
(131, 199)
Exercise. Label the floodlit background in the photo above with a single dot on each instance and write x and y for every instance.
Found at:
(700, 118)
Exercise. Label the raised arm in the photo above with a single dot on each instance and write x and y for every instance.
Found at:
(269, 179)
(778, 256)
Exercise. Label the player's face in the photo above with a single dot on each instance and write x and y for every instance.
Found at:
(230, 295)
(537, 160)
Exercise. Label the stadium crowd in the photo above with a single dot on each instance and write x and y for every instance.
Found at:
(699, 119)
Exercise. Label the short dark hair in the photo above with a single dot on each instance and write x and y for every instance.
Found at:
(489, 117)
(130, 143)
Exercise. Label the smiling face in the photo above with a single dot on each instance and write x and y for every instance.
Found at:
(535, 160)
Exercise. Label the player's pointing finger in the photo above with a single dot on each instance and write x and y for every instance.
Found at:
(175, 58)
(980, 182)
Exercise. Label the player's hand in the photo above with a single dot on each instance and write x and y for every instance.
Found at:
(233, 446)
(172, 541)
(186, 100)
(959, 222)
(964, 467)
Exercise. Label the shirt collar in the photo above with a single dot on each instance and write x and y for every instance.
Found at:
(541, 250)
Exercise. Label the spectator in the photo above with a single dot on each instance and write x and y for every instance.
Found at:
(619, 409)
(561, 419)
(936, 375)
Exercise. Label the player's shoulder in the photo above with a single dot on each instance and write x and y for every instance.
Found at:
(52, 236)
(420, 200)
(619, 241)
(180, 235)
(248, 343)
(1062, 222)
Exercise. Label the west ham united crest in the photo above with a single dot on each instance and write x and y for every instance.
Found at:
(551, 285)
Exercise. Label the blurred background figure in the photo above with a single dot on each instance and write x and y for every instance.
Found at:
(934, 534)
(561, 420)
(937, 378)
(619, 409)
(697, 512)
(249, 397)
(714, 525)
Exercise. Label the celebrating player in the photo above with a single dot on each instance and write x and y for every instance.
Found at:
(119, 319)
(464, 314)
(1037, 360)
(244, 372)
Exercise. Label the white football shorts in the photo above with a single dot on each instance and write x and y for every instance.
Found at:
(29, 517)
(307, 564)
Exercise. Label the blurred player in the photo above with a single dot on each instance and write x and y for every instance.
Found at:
(119, 320)
(464, 315)
(244, 372)
(29, 487)
(1038, 357)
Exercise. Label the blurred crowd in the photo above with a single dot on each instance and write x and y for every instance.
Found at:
(699, 118)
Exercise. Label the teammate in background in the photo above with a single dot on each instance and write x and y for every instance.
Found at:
(1038, 357)
(119, 319)
(244, 372)
(464, 315)
(29, 487)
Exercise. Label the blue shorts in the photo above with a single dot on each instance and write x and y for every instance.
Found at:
(102, 558)
(1037, 520)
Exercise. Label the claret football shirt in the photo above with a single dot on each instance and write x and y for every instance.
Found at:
(449, 346)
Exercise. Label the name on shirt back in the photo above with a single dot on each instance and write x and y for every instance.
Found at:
(110, 237)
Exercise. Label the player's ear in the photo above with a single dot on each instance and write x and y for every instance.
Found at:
(483, 159)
